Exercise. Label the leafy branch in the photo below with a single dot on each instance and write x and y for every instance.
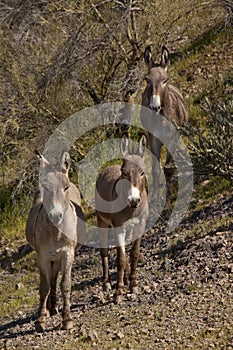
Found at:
(211, 147)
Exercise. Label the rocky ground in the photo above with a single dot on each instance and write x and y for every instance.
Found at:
(185, 299)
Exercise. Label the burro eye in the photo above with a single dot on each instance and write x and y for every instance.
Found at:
(66, 187)
(125, 174)
(148, 80)
(164, 82)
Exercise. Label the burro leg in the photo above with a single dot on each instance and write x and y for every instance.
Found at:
(44, 289)
(121, 264)
(52, 303)
(66, 266)
(103, 239)
(134, 256)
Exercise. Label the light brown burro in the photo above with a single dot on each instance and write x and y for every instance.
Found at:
(165, 99)
(121, 206)
(52, 229)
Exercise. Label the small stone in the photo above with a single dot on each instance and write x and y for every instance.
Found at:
(147, 289)
(19, 286)
(101, 297)
(131, 297)
(25, 249)
(8, 252)
(83, 331)
(120, 335)
(93, 335)
(219, 233)
(154, 286)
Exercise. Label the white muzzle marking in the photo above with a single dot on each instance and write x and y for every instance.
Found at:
(134, 196)
(155, 103)
(56, 214)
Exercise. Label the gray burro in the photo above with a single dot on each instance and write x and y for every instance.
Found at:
(53, 226)
(160, 97)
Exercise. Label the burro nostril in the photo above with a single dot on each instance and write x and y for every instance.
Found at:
(55, 217)
(133, 202)
(156, 109)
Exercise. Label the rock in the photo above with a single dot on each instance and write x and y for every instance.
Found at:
(25, 249)
(92, 334)
(8, 252)
(147, 289)
(19, 286)
(83, 331)
(120, 335)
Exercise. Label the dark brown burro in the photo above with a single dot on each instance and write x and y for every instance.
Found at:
(165, 99)
(52, 231)
(122, 207)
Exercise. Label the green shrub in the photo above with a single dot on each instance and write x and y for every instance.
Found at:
(211, 147)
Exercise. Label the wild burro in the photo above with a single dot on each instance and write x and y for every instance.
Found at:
(53, 227)
(121, 204)
(165, 99)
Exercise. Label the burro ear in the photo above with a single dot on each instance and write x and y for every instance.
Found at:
(164, 57)
(148, 56)
(125, 144)
(43, 160)
(142, 145)
(65, 162)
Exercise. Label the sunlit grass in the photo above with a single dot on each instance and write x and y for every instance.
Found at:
(18, 292)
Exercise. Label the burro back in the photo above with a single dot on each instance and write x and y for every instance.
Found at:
(54, 224)
(121, 204)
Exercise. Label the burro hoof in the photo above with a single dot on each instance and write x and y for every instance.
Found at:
(67, 325)
(118, 298)
(39, 326)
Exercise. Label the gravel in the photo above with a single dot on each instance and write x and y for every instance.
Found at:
(185, 298)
